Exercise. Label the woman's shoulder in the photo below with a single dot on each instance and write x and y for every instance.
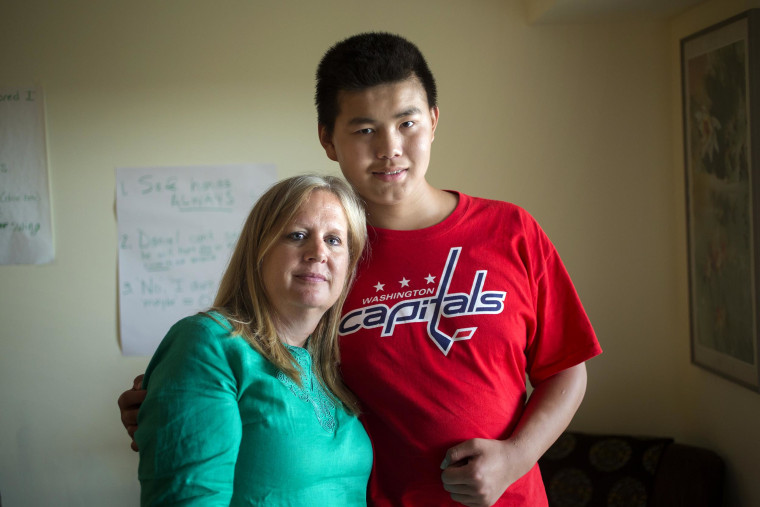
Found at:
(205, 333)
(201, 343)
(209, 323)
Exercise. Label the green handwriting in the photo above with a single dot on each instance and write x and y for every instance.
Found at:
(16, 96)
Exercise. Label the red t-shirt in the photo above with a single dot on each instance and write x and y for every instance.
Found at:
(438, 333)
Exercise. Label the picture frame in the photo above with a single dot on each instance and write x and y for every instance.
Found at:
(720, 76)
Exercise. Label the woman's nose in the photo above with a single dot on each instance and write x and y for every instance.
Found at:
(316, 250)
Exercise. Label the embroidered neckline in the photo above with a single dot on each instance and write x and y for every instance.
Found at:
(311, 390)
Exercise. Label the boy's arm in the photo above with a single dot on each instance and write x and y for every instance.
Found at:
(129, 405)
(478, 471)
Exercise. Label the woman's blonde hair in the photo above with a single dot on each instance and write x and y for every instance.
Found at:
(243, 301)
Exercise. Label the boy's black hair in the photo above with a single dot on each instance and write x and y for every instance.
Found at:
(366, 60)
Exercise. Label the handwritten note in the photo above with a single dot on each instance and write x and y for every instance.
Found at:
(26, 234)
(177, 227)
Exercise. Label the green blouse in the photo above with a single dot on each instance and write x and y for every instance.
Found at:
(222, 426)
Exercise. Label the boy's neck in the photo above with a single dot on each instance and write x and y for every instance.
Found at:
(414, 213)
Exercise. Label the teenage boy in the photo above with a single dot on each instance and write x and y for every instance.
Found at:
(457, 300)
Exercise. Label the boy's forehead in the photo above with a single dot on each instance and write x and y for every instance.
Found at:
(399, 95)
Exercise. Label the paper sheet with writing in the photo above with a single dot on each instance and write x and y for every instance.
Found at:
(177, 227)
(26, 233)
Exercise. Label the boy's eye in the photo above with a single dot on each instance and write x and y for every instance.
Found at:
(407, 123)
(365, 131)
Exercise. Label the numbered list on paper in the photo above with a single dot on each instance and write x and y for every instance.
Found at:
(177, 227)
(26, 232)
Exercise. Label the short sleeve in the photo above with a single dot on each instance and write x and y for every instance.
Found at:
(189, 427)
(563, 334)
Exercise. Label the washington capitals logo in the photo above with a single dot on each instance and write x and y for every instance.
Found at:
(430, 309)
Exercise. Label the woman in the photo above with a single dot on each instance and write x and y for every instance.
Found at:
(245, 405)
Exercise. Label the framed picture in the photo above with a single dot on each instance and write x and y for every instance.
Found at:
(721, 115)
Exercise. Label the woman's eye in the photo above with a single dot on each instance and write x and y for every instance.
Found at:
(334, 241)
(296, 235)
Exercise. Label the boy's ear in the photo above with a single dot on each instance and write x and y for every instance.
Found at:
(326, 140)
(434, 114)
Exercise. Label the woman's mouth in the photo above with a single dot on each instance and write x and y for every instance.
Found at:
(312, 277)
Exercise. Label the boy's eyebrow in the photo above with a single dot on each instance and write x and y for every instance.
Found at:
(360, 119)
(408, 112)
(366, 119)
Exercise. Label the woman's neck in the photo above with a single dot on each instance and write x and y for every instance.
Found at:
(296, 331)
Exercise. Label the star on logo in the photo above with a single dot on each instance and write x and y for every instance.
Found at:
(379, 287)
(404, 282)
(430, 278)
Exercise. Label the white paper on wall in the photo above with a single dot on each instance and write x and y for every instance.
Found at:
(26, 233)
(177, 227)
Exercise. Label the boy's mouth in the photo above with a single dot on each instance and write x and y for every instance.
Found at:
(389, 173)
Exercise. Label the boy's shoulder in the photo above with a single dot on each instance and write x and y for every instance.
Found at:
(473, 205)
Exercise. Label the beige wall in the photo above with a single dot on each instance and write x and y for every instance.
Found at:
(577, 123)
